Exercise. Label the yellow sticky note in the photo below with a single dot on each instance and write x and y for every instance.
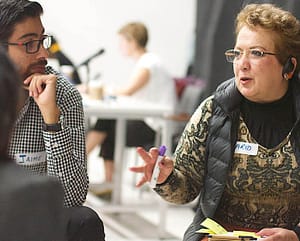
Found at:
(205, 230)
(213, 226)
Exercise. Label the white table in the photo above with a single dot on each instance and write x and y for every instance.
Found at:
(122, 109)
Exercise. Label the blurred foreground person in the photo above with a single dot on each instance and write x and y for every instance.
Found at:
(31, 206)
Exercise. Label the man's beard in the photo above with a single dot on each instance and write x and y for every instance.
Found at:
(38, 67)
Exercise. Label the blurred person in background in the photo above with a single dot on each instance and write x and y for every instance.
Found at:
(48, 135)
(240, 150)
(55, 52)
(149, 81)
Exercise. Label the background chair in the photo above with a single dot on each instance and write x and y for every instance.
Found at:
(190, 91)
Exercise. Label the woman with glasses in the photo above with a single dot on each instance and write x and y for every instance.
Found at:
(241, 149)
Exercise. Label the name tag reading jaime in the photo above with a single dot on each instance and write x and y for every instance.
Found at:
(30, 158)
(246, 148)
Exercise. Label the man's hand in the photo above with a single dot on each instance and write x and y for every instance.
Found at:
(43, 90)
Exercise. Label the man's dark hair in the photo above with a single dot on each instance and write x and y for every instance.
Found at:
(10, 91)
(13, 12)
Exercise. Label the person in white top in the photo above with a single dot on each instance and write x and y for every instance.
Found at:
(149, 81)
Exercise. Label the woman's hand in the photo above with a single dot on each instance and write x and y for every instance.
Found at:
(277, 234)
(166, 166)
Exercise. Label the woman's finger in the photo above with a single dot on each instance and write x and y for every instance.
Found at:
(141, 182)
(139, 169)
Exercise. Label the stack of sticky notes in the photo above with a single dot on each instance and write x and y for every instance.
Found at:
(216, 232)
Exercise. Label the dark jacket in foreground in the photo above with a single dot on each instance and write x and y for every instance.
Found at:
(31, 206)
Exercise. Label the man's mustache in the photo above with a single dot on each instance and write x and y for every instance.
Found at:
(41, 62)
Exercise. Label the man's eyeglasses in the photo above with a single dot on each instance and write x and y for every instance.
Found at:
(33, 46)
(232, 55)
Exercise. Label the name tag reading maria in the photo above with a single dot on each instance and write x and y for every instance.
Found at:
(246, 148)
(30, 158)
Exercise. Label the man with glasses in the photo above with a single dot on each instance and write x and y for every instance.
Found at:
(48, 137)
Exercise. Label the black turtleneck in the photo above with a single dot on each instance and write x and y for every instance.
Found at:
(269, 123)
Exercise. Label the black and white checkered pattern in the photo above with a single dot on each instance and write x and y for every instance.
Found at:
(65, 149)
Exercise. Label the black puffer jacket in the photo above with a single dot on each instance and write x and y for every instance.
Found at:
(220, 149)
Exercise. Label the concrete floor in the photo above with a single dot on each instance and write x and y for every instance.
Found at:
(143, 215)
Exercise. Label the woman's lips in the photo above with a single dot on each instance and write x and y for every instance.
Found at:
(245, 80)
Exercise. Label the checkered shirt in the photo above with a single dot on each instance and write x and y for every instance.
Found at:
(64, 150)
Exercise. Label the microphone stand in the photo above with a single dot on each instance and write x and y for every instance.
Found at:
(86, 64)
(85, 84)
(87, 67)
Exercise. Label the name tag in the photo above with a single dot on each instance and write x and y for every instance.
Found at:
(246, 148)
(30, 158)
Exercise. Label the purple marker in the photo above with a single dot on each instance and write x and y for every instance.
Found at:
(156, 170)
(162, 150)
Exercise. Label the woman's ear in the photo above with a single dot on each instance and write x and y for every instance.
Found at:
(294, 65)
(289, 67)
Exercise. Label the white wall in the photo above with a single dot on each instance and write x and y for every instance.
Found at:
(83, 27)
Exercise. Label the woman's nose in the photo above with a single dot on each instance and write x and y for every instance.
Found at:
(243, 62)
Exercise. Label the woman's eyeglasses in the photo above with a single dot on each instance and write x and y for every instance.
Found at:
(233, 55)
(33, 46)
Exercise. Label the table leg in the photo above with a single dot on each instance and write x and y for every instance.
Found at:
(118, 159)
(163, 206)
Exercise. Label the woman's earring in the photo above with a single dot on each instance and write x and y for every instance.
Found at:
(286, 76)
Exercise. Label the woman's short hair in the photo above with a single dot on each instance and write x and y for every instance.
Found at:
(135, 31)
(10, 89)
(283, 23)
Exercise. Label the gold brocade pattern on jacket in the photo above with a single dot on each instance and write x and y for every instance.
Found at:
(263, 189)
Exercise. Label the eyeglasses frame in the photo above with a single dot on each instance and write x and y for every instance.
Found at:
(40, 42)
(263, 53)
